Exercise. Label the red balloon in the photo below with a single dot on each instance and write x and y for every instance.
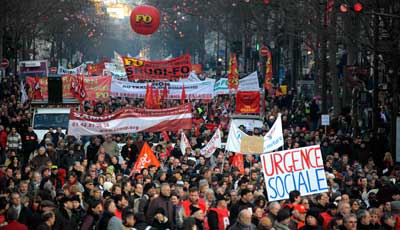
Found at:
(145, 19)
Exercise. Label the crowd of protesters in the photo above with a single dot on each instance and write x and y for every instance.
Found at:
(62, 182)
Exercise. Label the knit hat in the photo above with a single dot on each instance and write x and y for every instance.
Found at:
(283, 214)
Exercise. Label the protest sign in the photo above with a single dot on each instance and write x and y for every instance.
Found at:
(248, 102)
(272, 140)
(171, 69)
(221, 86)
(212, 145)
(131, 120)
(77, 70)
(249, 83)
(299, 169)
(184, 143)
(193, 90)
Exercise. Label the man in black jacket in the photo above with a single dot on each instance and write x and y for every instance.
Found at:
(29, 144)
(245, 202)
(24, 214)
(129, 152)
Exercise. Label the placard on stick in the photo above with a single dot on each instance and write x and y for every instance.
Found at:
(252, 144)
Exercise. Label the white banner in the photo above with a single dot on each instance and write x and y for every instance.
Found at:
(184, 143)
(299, 169)
(192, 78)
(249, 83)
(131, 120)
(272, 140)
(221, 86)
(77, 70)
(193, 90)
(212, 145)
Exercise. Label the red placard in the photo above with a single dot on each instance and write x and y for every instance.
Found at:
(248, 102)
(171, 69)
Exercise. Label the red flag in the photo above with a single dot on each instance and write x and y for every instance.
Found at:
(164, 94)
(164, 134)
(37, 92)
(268, 72)
(82, 91)
(233, 74)
(156, 99)
(237, 161)
(148, 102)
(145, 159)
(183, 95)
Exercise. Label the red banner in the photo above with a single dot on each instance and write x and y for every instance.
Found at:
(97, 88)
(268, 72)
(171, 69)
(248, 102)
(233, 75)
(97, 69)
(131, 120)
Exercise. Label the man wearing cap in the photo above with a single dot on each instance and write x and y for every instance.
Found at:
(298, 217)
(218, 217)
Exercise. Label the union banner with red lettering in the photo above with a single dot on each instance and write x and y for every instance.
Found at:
(248, 102)
(97, 88)
(171, 69)
(131, 120)
(300, 169)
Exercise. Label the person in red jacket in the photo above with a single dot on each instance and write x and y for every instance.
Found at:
(218, 217)
(329, 215)
(13, 223)
(195, 200)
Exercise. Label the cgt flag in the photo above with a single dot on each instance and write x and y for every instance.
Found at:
(145, 159)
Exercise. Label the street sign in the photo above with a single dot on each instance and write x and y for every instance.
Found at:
(4, 63)
(325, 119)
(264, 51)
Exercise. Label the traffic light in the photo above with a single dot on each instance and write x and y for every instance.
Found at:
(357, 7)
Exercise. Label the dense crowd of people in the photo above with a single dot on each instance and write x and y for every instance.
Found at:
(62, 182)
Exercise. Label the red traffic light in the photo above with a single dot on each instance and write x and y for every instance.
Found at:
(344, 8)
(358, 7)
(267, 1)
